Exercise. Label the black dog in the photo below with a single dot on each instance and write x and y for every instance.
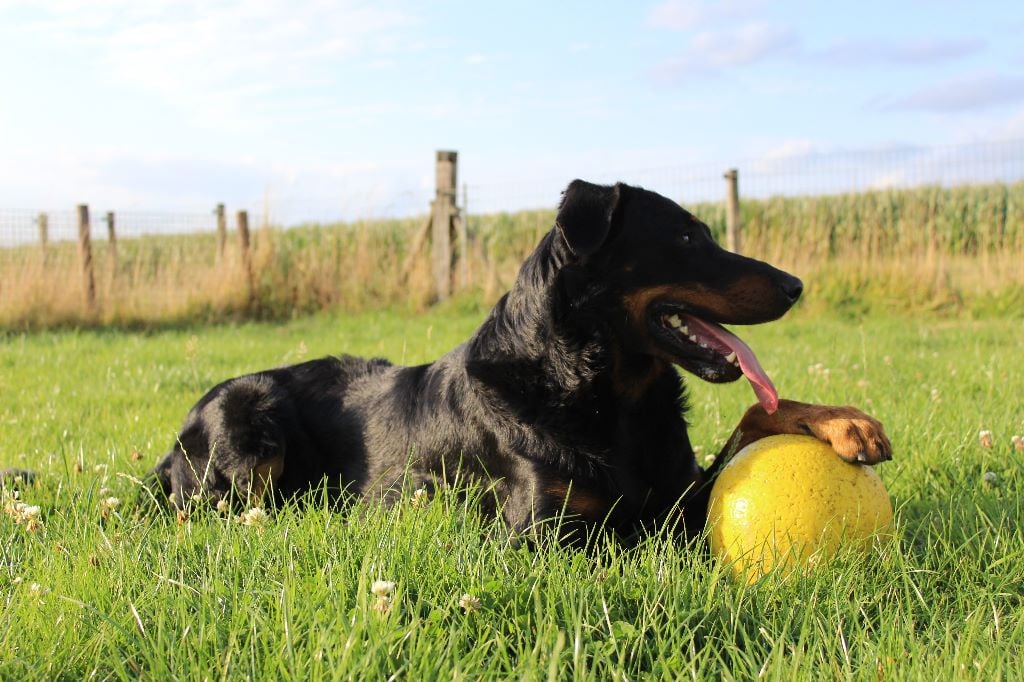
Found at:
(565, 399)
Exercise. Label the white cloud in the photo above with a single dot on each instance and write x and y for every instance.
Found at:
(889, 179)
(692, 14)
(215, 61)
(963, 93)
(709, 52)
(909, 51)
(127, 180)
(1013, 127)
(790, 149)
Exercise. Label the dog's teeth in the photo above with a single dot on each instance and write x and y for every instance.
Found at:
(693, 338)
(731, 357)
(684, 329)
(703, 345)
(675, 321)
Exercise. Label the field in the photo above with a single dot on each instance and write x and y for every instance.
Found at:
(956, 250)
(99, 593)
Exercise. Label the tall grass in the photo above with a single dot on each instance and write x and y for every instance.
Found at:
(949, 249)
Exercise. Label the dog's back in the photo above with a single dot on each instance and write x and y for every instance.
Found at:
(240, 433)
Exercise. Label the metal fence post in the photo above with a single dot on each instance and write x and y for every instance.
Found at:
(43, 222)
(111, 243)
(732, 210)
(222, 232)
(464, 238)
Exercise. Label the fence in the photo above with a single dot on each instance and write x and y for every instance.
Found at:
(80, 265)
(795, 170)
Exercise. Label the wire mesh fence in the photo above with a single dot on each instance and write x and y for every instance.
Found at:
(790, 172)
(929, 206)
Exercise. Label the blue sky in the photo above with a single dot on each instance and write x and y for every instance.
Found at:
(164, 105)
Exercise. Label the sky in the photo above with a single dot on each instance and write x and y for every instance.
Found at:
(340, 105)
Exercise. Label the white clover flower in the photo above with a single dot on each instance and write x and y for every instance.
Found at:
(382, 588)
(108, 505)
(420, 498)
(222, 506)
(469, 603)
(13, 508)
(23, 513)
(990, 478)
(1018, 443)
(11, 502)
(253, 517)
(985, 438)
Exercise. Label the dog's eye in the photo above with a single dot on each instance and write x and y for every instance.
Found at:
(686, 239)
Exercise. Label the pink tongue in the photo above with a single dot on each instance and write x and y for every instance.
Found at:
(724, 341)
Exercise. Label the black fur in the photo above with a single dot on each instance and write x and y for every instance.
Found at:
(562, 392)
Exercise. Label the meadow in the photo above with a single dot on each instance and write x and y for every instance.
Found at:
(97, 591)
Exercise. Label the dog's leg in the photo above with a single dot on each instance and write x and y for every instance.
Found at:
(263, 479)
(855, 436)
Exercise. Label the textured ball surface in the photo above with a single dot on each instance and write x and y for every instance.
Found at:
(788, 499)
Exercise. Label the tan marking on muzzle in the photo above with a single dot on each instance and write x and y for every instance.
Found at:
(725, 303)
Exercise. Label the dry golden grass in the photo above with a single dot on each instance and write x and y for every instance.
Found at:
(950, 250)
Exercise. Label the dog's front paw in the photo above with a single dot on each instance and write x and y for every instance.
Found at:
(854, 435)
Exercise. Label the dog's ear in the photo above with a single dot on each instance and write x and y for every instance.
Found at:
(586, 215)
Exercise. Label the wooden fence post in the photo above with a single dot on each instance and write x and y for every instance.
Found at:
(85, 256)
(243, 241)
(222, 231)
(732, 210)
(111, 243)
(43, 221)
(444, 210)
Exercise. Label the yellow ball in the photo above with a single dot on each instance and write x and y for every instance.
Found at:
(787, 500)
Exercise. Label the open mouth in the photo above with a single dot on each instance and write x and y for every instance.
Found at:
(713, 353)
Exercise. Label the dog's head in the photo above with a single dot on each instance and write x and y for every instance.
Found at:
(675, 285)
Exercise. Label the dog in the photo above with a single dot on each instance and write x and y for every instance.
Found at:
(565, 403)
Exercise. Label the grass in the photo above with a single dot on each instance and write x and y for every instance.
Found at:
(956, 250)
(123, 597)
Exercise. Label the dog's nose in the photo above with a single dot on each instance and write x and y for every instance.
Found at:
(792, 288)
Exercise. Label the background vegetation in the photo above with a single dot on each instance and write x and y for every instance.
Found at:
(949, 250)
